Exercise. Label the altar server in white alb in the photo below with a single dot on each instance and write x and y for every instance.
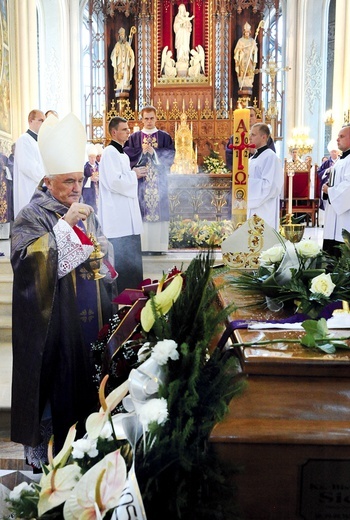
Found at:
(118, 208)
(28, 169)
(337, 214)
(265, 178)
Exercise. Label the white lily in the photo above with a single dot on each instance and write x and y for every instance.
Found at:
(96, 421)
(100, 488)
(56, 487)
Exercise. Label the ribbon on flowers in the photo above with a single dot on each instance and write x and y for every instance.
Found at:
(123, 332)
(136, 299)
(130, 506)
(144, 382)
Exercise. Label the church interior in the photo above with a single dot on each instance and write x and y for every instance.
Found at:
(289, 432)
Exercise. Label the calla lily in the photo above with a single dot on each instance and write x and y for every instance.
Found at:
(162, 302)
(96, 421)
(62, 457)
(56, 487)
(101, 486)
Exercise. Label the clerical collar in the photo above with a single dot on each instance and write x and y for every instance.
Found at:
(147, 131)
(345, 154)
(118, 146)
(32, 134)
(259, 151)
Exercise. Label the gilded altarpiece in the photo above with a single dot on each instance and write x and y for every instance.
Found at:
(207, 91)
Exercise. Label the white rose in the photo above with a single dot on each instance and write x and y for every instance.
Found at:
(164, 350)
(308, 248)
(272, 255)
(322, 284)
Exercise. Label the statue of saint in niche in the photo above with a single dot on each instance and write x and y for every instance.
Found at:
(182, 30)
(123, 61)
(246, 57)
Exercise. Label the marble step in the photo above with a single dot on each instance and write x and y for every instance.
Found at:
(5, 330)
(5, 374)
(5, 265)
(6, 281)
(5, 304)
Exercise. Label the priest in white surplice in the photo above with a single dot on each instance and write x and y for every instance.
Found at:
(265, 178)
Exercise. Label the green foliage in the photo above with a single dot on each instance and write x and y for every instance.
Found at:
(25, 507)
(195, 233)
(213, 163)
(179, 475)
(317, 337)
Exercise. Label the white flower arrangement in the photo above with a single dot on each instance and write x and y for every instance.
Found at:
(296, 274)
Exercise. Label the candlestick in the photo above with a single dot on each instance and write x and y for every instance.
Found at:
(199, 104)
(231, 104)
(167, 104)
(183, 105)
(135, 105)
(290, 192)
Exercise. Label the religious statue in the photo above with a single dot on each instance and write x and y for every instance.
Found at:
(246, 57)
(182, 30)
(185, 161)
(197, 62)
(123, 61)
(168, 68)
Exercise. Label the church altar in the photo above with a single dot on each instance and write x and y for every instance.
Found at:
(289, 430)
(203, 196)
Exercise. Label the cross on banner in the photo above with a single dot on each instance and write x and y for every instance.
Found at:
(241, 147)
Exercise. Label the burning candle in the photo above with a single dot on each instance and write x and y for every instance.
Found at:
(290, 192)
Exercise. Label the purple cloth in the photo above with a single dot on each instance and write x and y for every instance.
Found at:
(90, 195)
(326, 313)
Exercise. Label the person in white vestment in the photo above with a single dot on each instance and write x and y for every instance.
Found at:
(265, 178)
(337, 213)
(28, 169)
(118, 207)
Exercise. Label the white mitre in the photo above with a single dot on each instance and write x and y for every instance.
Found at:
(62, 144)
(91, 150)
(242, 249)
(332, 145)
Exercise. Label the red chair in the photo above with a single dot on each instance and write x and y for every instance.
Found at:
(302, 202)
